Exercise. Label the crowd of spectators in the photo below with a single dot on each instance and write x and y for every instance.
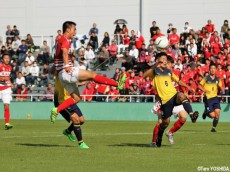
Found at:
(192, 49)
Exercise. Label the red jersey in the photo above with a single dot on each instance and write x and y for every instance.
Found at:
(113, 92)
(156, 36)
(220, 74)
(63, 42)
(173, 39)
(88, 91)
(216, 48)
(126, 40)
(5, 71)
(210, 28)
(227, 73)
(139, 41)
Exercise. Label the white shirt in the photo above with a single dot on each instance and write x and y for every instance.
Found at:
(89, 54)
(30, 60)
(15, 45)
(186, 29)
(178, 66)
(134, 53)
(20, 81)
(192, 51)
(26, 70)
(34, 70)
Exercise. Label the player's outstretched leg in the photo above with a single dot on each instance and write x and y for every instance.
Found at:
(215, 120)
(162, 127)
(155, 133)
(7, 117)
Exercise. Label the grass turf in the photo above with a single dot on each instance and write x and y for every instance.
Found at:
(38, 145)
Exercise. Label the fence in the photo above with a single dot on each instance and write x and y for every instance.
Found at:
(35, 97)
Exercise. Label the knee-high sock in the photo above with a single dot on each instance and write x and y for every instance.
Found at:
(68, 102)
(161, 131)
(187, 107)
(177, 125)
(155, 132)
(104, 80)
(7, 115)
(70, 128)
(77, 132)
(215, 122)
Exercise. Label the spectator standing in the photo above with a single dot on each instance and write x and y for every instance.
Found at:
(210, 27)
(153, 29)
(44, 54)
(89, 56)
(15, 31)
(22, 50)
(94, 29)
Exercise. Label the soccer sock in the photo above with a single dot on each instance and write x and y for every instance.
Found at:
(161, 131)
(187, 107)
(215, 122)
(68, 102)
(104, 80)
(7, 115)
(77, 132)
(155, 132)
(70, 128)
(177, 125)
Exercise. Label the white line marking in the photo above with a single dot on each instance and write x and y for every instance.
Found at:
(55, 134)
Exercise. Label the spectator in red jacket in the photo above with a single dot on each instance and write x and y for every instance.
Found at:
(23, 93)
(89, 90)
(173, 37)
(113, 49)
(114, 94)
(216, 47)
(213, 36)
(139, 40)
(210, 27)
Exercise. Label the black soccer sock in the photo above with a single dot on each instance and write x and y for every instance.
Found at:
(161, 131)
(70, 128)
(187, 107)
(77, 132)
(215, 122)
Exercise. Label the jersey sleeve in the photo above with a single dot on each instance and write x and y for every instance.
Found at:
(202, 82)
(175, 78)
(65, 44)
(219, 83)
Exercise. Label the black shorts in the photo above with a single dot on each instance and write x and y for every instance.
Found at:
(67, 113)
(167, 108)
(212, 104)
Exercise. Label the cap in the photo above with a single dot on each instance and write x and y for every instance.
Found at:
(122, 68)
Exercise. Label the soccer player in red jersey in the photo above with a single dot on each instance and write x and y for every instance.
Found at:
(69, 76)
(5, 88)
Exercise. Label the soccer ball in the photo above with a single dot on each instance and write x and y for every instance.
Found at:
(161, 42)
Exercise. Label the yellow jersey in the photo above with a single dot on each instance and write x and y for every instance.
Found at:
(61, 92)
(211, 85)
(162, 82)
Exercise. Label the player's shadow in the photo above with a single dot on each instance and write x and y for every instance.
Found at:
(223, 144)
(41, 145)
(134, 145)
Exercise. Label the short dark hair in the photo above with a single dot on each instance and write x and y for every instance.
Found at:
(5, 54)
(160, 55)
(67, 25)
(170, 59)
(212, 64)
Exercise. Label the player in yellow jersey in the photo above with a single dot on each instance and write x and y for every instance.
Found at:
(162, 81)
(209, 85)
(72, 114)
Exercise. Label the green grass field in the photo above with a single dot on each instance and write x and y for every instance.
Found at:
(38, 145)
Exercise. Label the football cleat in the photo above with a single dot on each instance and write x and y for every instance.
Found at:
(83, 146)
(8, 126)
(153, 144)
(170, 137)
(53, 115)
(194, 116)
(69, 135)
(213, 130)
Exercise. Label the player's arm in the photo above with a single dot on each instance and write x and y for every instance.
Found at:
(181, 83)
(149, 72)
(201, 84)
(221, 87)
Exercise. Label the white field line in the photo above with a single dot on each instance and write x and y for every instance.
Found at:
(55, 134)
